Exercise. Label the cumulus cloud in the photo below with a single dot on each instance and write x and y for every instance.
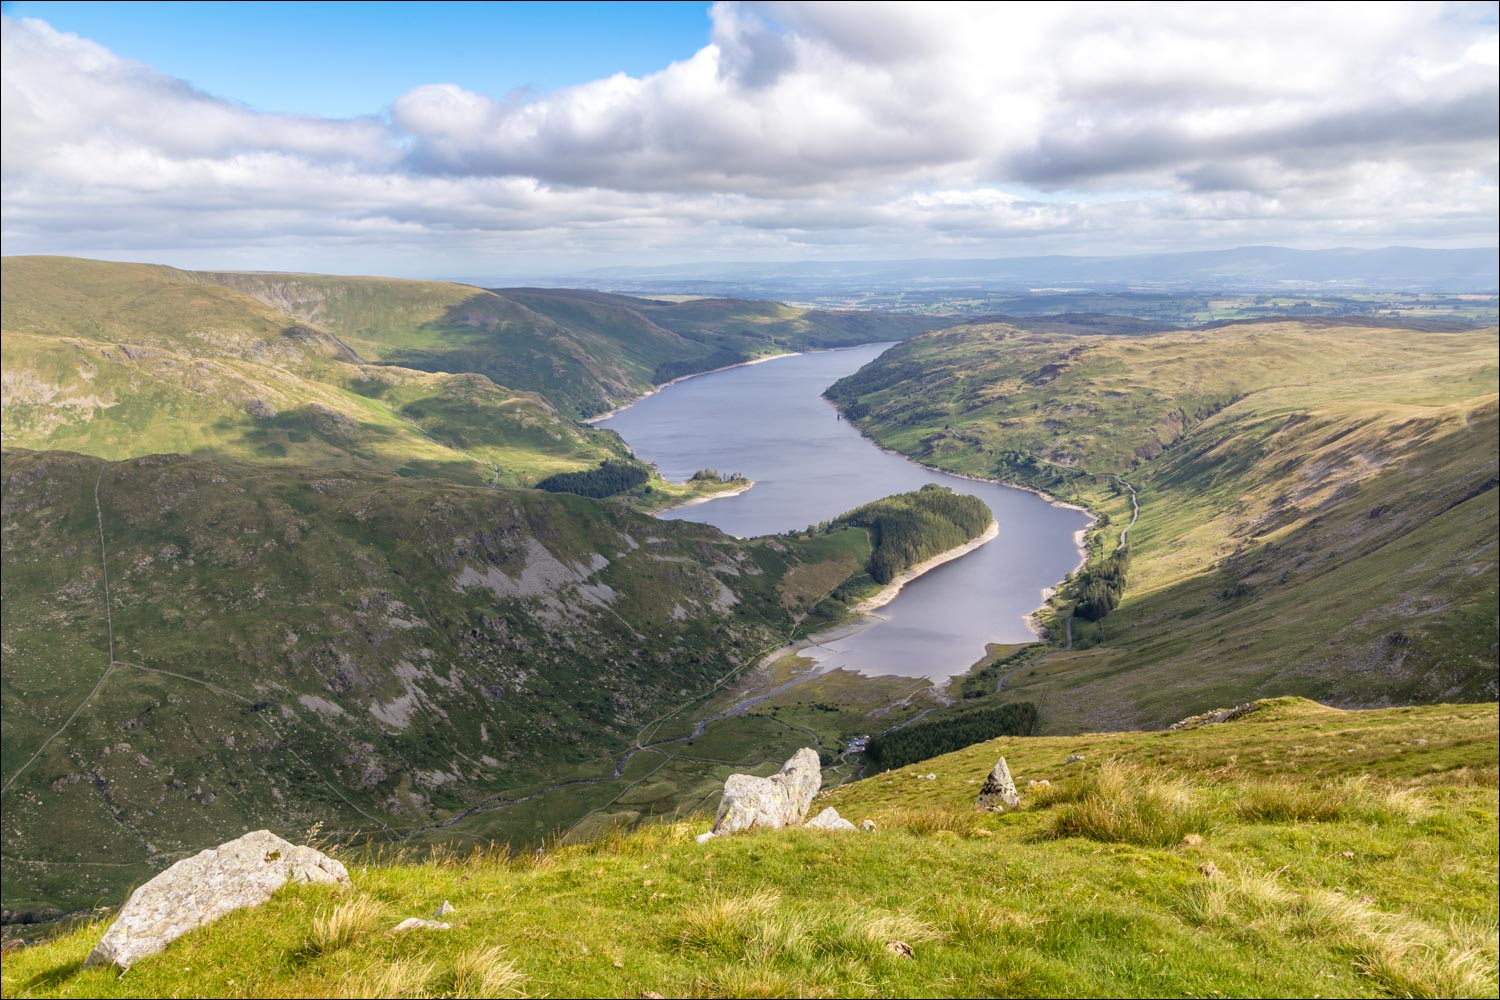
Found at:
(872, 129)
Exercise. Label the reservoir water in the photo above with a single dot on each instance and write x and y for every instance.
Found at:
(770, 422)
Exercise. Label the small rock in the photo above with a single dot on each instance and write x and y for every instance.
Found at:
(829, 819)
(1347, 854)
(619, 964)
(900, 949)
(444, 910)
(1192, 840)
(1208, 869)
(1043, 783)
(868, 826)
(998, 793)
(418, 924)
(704, 838)
(1418, 742)
(201, 889)
(652, 995)
(780, 800)
(930, 777)
(1074, 758)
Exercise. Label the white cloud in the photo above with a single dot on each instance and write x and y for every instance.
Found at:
(856, 129)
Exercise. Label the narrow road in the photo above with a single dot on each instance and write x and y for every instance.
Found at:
(1135, 504)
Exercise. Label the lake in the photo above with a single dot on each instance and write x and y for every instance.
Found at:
(770, 422)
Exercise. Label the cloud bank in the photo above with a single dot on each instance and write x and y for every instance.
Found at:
(798, 130)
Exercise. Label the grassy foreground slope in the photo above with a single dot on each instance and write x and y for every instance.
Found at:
(1317, 503)
(194, 647)
(1296, 851)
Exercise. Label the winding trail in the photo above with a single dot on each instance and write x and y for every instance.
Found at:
(109, 625)
(1135, 504)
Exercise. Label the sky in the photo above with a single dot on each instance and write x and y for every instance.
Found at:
(434, 140)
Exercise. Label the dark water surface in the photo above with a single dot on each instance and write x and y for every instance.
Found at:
(770, 422)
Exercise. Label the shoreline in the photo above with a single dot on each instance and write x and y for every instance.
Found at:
(695, 501)
(1031, 617)
(890, 591)
(683, 378)
(862, 616)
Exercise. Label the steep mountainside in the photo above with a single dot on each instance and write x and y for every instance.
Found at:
(586, 351)
(192, 648)
(1317, 503)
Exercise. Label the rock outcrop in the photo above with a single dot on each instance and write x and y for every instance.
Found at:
(829, 819)
(780, 800)
(201, 889)
(418, 924)
(998, 793)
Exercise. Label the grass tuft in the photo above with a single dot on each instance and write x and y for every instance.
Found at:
(1120, 803)
(343, 924)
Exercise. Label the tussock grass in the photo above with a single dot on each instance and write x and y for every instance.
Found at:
(343, 924)
(1404, 955)
(1296, 801)
(1121, 803)
(485, 972)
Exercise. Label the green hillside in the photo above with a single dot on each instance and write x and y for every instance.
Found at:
(585, 351)
(1295, 851)
(1317, 504)
(121, 360)
(285, 645)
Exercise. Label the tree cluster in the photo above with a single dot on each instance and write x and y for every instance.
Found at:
(945, 735)
(1099, 587)
(613, 476)
(912, 527)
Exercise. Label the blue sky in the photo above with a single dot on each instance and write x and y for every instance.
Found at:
(345, 59)
(521, 139)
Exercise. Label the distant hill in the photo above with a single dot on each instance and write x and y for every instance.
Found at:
(1261, 269)
(424, 378)
(1317, 502)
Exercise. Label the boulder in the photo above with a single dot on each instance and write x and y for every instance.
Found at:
(998, 793)
(829, 819)
(780, 800)
(418, 924)
(201, 889)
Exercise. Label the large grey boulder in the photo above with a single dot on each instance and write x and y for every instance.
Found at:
(201, 889)
(829, 819)
(780, 800)
(998, 793)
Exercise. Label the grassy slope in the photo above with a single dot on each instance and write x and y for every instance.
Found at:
(120, 360)
(1317, 502)
(374, 652)
(1355, 856)
(586, 351)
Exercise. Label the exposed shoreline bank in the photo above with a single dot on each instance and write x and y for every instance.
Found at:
(683, 378)
(888, 593)
(1030, 618)
(862, 613)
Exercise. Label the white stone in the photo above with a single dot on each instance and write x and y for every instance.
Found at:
(829, 819)
(201, 889)
(780, 800)
(418, 924)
